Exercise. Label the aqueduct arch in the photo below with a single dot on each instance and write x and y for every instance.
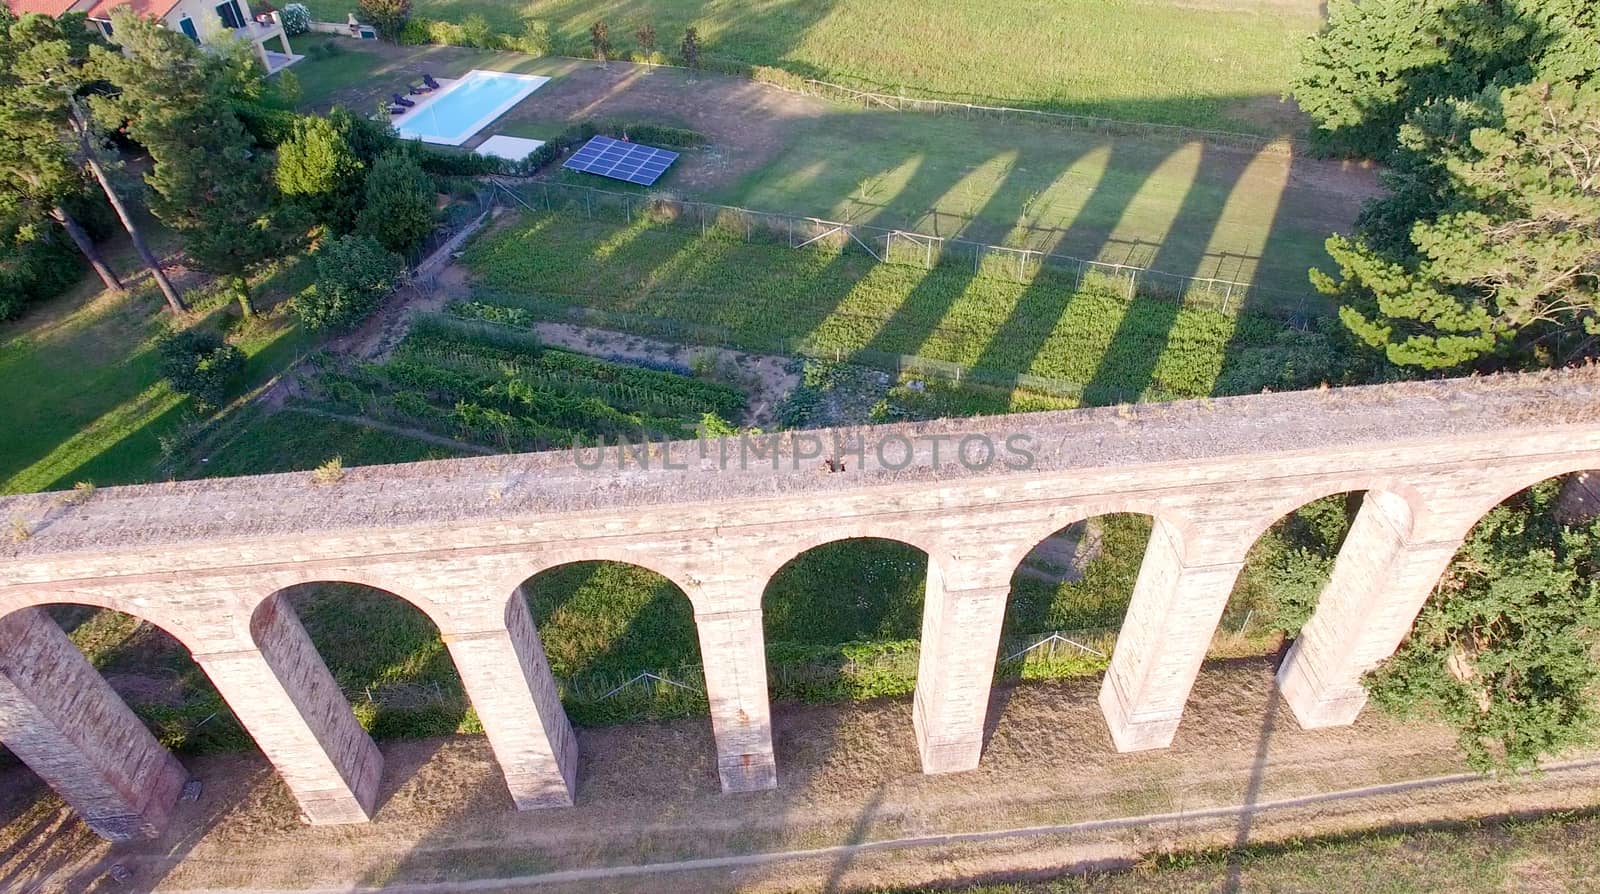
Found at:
(459, 536)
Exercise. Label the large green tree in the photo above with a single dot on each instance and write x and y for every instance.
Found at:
(49, 143)
(1377, 61)
(1503, 253)
(211, 184)
(1504, 650)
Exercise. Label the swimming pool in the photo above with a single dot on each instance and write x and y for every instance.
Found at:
(452, 116)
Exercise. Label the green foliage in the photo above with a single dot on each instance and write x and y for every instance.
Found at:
(689, 50)
(296, 19)
(499, 386)
(400, 201)
(1504, 651)
(476, 31)
(35, 264)
(209, 183)
(1374, 63)
(1505, 252)
(388, 16)
(199, 363)
(354, 275)
(600, 40)
(317, 168)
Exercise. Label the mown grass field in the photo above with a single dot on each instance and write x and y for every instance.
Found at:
(83, 399)
(1206, 64)
(767, 297)
(1554, 854)
(1191, 209)
(1184, 207)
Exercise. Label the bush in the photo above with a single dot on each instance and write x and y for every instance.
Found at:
(36, 264)
(319, 171)
(388, 16)
(296, 19)
(354, 274)
(475, 32)
(400, 201)
(200, 364)
(535, 39)
(415, 32)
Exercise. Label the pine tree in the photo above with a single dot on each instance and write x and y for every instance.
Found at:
(1375, 62)
(49, 142)
(1508, 257)
(210, 185)
(400, 203)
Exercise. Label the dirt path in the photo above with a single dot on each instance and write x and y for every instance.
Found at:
(647, 793)
(1467, 787)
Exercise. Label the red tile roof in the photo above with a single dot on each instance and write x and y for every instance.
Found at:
(51, 8)
(154, 9)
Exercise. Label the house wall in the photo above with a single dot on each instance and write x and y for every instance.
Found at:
(207, 560)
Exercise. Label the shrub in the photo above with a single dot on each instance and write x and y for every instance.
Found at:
(416, 32)
(400, 200)
(534, 40)
(296, 19)
(200, 364)
(354, 274)
(35, 264)
(388, 16)
(475, 32)
(318, 170)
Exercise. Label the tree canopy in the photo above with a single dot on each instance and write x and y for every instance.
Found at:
(1375, 62)
(209, 183)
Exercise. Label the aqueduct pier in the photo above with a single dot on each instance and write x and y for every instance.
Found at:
(208, 561)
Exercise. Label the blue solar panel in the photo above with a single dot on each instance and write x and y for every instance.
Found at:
(628, 162)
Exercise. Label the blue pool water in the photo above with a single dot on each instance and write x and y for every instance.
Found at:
(467, 106)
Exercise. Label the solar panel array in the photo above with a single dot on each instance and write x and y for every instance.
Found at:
(629, 162)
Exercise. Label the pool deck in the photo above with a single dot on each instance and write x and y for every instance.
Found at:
(447, 87)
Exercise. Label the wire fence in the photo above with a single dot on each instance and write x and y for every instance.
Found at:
(901, 102)
(906, 247)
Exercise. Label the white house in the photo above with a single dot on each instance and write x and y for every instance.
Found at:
(204, 21)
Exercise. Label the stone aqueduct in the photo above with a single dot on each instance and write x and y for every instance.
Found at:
(208, 561)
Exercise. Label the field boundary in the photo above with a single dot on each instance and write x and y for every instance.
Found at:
(890, 245)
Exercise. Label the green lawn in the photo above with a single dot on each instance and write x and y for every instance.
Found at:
(84, 399)
(337, 70)
(1192, 209)
(1213, 65)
